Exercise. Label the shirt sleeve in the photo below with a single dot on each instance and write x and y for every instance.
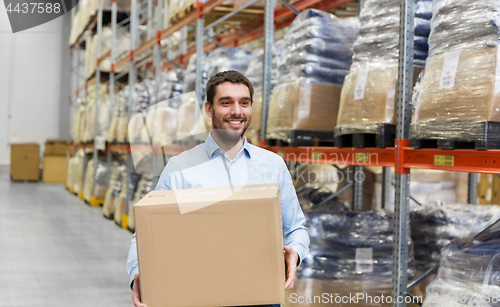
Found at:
(294, 230)
(167, 181)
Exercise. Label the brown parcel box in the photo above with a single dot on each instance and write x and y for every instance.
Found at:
(54, 169)
(25, 161)
(302, 106)
(224, 249)
(55, 148)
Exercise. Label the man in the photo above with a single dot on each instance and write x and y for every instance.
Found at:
(227, 159)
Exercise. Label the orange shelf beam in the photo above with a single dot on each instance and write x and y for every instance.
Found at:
(334, 155)
(457, 160)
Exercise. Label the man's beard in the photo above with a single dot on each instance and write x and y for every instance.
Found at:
(229, 136)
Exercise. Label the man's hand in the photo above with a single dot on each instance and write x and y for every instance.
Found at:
(136, 293)
(291, 258)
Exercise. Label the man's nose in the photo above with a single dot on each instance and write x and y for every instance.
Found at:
(236, 109)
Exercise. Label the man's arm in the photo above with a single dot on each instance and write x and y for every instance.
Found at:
(296, 234)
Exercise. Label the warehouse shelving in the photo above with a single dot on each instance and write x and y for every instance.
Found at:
(401, 157)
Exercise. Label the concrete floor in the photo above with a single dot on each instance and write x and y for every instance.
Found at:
(57, 251)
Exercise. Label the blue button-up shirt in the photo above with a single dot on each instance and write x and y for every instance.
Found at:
(207, 165)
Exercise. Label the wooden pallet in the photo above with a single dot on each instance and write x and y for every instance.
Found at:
(305, 138)
(489, 138)
(381, 137)
(182, 13)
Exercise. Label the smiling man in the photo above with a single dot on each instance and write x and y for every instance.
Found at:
(227, 159)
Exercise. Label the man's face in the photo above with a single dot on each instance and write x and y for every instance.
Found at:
(231, 112)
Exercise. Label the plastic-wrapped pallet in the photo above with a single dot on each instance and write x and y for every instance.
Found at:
(120, 201)
(76, 121)
(190, 74)
(222, 59)
(187, 124)
(79, 171)
(315, 59)
(458, 99)
(318, 48)
(255, 71)
(433, 226)
(144, 186)
(115, 184)
(469, 274)
(353, 245)
(459, 96)
(103, 119)
(164, 124)
(122, 45)
(87, 182)
(122, 116)
(369, 93)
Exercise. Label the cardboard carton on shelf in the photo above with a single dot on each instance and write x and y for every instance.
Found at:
(302, 106)
(25, 161)
(218, 246)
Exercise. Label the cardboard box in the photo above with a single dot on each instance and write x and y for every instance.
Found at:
(25, 161)
(472, 96)
(211, 247)
(488, 189)
(55, 148)
(377, 104)
(302, 106)
(54, 169)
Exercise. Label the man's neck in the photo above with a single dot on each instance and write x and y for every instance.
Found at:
(231, 149)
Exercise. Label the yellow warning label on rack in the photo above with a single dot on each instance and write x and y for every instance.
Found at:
(316, 155)
(444, 160)
(281, 153)
(361, 157)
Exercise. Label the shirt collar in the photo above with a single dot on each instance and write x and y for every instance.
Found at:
(211, 146)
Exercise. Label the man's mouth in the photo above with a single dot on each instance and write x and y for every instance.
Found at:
(235, 123)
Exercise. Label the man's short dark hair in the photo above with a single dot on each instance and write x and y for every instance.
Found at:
(226, 76)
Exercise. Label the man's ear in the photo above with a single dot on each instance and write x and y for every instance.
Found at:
(208, 109)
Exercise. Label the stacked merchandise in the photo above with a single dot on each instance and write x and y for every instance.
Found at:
(144, 187)
(143, 94)
(190, 75)
(458, 99)
(77, 121)
(434, 226)
(315, 59)
(103, 119)
(120, 201)
(79, 170)
(469, 274)
(369, 93)
(353, 245)
(222, 59)
(87, 10)
(115, 186)
(95, 197)
(122, 46)
(255, 73)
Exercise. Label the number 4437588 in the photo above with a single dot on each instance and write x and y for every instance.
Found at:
(40, 8)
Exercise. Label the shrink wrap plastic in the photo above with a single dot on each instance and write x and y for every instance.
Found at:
(353, 245)
(463, 24)
(378, 33)
(87, 182)
(458, 95)
(114, 189)
(122, 46)
(318, 48)
(79, 169)
(469, 274)
(222, 59)
(144, 186)
(302, 106)
(255, 71)
(103, 120)
(433, 226)
(190, 75)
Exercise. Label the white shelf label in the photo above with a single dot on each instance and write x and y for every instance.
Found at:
(100, 143)
(359, 89)
(364, 260)
(449, 71)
